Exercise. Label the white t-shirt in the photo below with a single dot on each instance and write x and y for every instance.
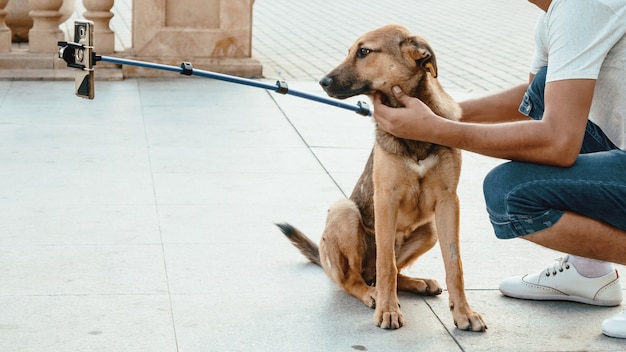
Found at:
(587, 39)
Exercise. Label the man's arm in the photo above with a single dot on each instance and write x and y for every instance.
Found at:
(554, 140)
(499, 107)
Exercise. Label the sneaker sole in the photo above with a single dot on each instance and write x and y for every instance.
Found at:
(617, 336)
(563, 298)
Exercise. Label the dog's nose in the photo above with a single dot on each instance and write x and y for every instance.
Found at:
(326, 82)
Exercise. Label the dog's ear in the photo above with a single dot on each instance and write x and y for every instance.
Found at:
(417, 49)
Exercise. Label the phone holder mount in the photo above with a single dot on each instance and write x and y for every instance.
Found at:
(74, 55)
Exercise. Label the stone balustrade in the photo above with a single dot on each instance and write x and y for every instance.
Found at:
(5, 32)
(212, 34)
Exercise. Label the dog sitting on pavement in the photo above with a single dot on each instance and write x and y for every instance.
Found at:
(405, 199)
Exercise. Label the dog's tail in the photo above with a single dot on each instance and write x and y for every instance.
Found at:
(307, 247)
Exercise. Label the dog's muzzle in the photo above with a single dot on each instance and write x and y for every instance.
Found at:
(326, 82)
(337, 90)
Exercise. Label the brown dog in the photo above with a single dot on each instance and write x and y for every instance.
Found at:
(408, 187)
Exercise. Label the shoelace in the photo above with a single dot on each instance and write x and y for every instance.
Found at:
(559, 265)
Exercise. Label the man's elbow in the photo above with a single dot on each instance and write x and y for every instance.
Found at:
(566, 162)
(564, 155)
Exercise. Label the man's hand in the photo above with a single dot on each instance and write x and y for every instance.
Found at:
(413, 121)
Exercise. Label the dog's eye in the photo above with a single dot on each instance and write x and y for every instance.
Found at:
(362, 52)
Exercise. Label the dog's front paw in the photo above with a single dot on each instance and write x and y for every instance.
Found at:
(388, 316)
(468, 320)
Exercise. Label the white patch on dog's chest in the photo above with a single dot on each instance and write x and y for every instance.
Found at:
(421, 167)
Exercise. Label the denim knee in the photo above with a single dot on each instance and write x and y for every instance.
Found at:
(513, 209)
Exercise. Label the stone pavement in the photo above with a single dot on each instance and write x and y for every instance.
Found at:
(143, 220)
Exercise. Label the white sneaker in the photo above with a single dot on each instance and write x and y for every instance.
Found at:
(615, 326)
(561, 281)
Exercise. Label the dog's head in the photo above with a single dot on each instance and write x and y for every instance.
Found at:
(379, 60)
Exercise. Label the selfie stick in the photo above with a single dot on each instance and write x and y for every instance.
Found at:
(280, 87)
(69, 52)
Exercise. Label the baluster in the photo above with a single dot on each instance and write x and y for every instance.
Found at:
(99, 12)
(45, 34)
(5, 32)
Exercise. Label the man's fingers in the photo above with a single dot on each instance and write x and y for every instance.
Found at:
(400, 95)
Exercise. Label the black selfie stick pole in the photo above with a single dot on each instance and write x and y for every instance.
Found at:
(186, 68)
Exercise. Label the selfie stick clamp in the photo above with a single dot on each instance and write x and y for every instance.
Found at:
(70, 52)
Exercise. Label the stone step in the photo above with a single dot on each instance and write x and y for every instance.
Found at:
(19, 64)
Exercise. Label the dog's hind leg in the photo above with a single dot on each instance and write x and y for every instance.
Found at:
(420, 241)
(344, 251)
(425, 287)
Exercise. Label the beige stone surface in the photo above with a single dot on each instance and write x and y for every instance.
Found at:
(20, 22)
(5, 32)
(99, 12)
(214, 34)
(45, 33)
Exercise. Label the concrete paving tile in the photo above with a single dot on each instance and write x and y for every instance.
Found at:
(199, 91)
(345, 165)
(512, 258)
(455, 29)
(113, 95)
(219, 127)
(243, 188)
(78, 158)
(69, 123)
(81, 270)
(29, 93)
(98, 323)
(249, 159)
(322, 126)
(67, 188)
(245, 271)
(343, 159)
(69, 134)
(82, 174)
(4, 88)
(54, 224)
(346, 181)
(234, 223)
(256, 312)
(520, 325)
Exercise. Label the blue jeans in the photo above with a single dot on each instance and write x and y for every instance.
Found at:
(524, 198)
